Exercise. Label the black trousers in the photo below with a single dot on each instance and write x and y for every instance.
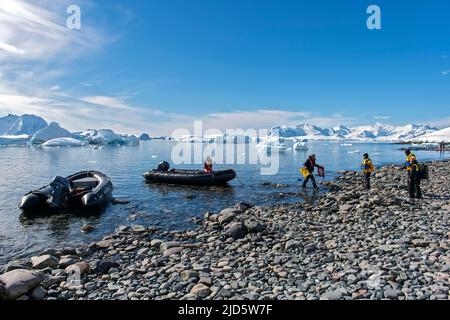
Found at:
(310, 177)
(414, 187)
(367, 180)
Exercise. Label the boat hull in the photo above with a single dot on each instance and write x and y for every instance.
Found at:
(62, 194)
(190, 177)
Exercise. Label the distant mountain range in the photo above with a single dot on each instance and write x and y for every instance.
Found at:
(30, 125)
(376, 132)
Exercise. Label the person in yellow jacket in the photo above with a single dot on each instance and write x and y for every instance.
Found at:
(367, 168)
(414, 178)
(413, 174)
(410, 157)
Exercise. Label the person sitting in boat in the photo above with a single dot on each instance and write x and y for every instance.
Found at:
(309, 165)
(208, 165)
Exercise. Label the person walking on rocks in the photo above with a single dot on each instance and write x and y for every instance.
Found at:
(414, 177)
(367, 168)
(309, 165)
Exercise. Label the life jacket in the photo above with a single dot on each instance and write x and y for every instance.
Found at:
(207, 168)
(411, 157)
(310, 164)
(367, 166)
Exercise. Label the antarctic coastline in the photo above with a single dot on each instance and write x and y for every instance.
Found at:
(351, 244)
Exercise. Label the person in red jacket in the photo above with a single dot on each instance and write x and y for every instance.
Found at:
(208, 165)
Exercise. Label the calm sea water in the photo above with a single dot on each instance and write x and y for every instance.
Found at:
(25, 169)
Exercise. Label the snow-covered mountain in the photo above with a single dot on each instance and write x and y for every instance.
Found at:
(376, 132)
(20, 125)
(437, 136)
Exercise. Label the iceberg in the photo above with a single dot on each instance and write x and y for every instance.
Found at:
(21, 125)
(14, 140)
(63, 142)
(144, 137)
(105, 137)
(52, 131)
(132, 140)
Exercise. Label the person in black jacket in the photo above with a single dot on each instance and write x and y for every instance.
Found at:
(414, 181)
(310, 164)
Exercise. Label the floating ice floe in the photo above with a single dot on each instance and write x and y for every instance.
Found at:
(14, 140)
(64, 142)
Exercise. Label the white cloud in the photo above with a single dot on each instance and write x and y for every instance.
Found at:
(445, 72)
(109, 102)
(10, 49)
(35, 30)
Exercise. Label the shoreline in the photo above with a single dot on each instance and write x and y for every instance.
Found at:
(352, 244)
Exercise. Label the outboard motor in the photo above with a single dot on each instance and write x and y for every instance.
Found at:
(163, 166)
(59, 197)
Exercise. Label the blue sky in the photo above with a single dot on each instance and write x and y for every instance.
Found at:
(159, 65)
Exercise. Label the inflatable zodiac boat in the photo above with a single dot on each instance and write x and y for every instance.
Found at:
(86, 191)
(188, 177)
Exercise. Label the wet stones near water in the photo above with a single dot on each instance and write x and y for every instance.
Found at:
(352, 244)
(45, 261)
(18, 282)
(87, 228)
(19, 264)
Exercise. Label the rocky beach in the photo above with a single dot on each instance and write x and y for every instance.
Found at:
(349, 244)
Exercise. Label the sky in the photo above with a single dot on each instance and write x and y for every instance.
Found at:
(156, 66)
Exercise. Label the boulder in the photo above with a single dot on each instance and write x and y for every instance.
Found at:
(18, 282)
(81, 267)
(331, 244)
(45, 261)
(50, 281)
(87, 228)
(156, 243)
(38, 293)
(19, 264)
(292, 244)
(419, 242)
(254, 226)
(172, 251)
(189, 274)
(169, 244)
(105, 265)
(227, 215)
(138, 228)
(236, 231)
(66, 261)
(104, 244)
(200, 291)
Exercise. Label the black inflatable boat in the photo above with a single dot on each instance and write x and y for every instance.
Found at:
(86, 191)
(190, 177)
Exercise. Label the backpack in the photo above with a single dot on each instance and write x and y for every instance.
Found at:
(423, 171)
